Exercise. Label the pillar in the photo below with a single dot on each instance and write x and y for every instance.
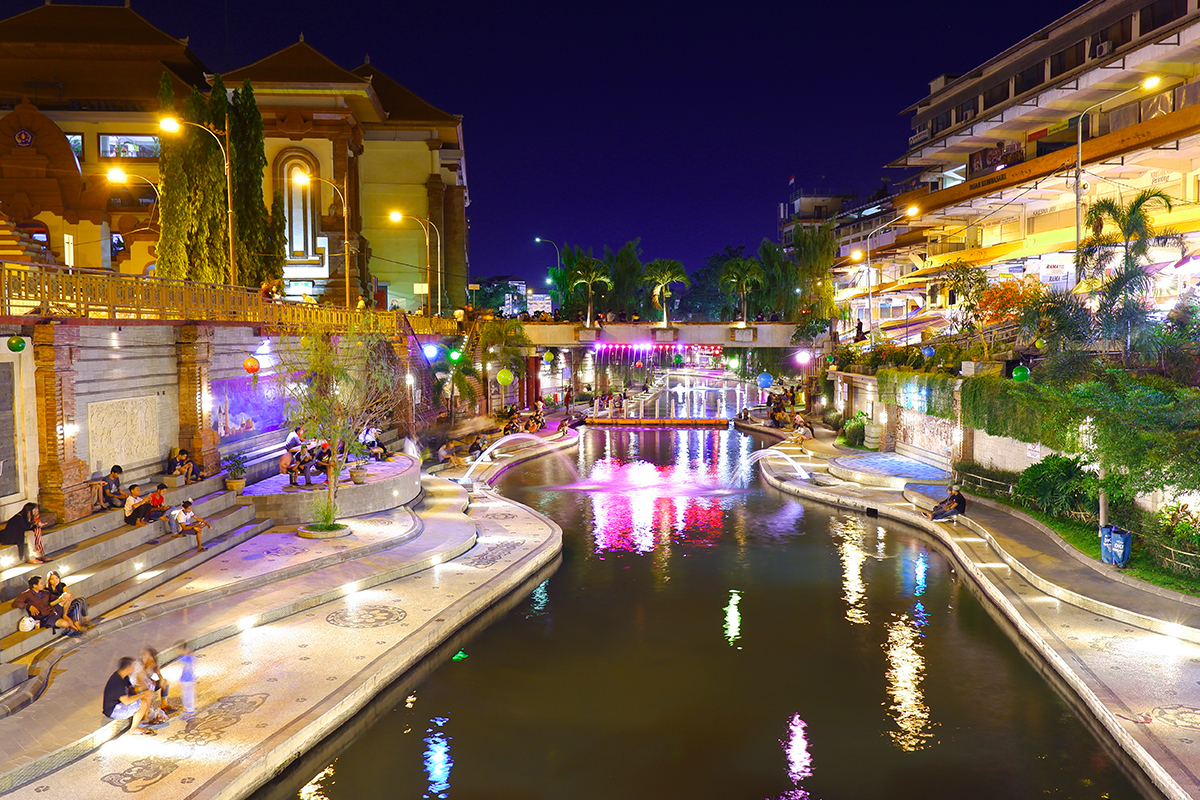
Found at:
(533, 379)
(455, 266)
(435, 190)
(193, 348)
(62, 489)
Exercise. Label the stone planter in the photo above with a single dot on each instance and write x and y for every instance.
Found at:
(235, 485)
(305, 532)
(358, 475)
(872, 436)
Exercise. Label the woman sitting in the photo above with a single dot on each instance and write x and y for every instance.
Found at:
(76, 608)
(25, 531)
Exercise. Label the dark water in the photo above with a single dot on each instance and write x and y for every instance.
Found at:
(733, 646)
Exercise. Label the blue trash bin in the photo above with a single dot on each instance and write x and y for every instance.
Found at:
(1106, 543)
(1122, 542)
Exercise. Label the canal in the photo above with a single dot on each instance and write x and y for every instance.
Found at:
(708, 637)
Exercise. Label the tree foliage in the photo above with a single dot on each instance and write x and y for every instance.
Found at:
(815, 251)
(625, 267)
(589, 273)
(259, 247)
(706, 299)
(1002, 301)
(660, 274)
(739, 277)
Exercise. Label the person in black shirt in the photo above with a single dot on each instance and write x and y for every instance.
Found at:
(121, 701)
(952, 506)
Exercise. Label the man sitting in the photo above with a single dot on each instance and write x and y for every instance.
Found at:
(122, 701)
(952, 506)
(186, 522)
(158, 503)
(370, 438)
(321, 462)
(448, 457)
(137, 508)
(183, 465)
(35, 602)
(111, 495)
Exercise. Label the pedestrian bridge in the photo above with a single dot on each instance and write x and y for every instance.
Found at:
(683, 334)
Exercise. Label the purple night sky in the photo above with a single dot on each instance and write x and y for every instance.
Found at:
(594, 123)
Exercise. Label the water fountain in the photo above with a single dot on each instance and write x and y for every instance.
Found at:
(759, 455)
(485, 456)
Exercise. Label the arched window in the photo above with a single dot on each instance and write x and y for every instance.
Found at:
(300, 202)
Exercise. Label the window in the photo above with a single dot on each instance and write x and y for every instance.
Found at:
(1066, 60)
(301, 202)
(1115, 35)
(128, 146)
(995, 95)
(1159, 13)
(76, 142)
(1030, 78)
(69, 249)
(940, 122)
(967, 110)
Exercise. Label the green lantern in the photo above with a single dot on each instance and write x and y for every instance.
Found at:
(504, 377)
(678, 359)
(1020, 374)
(16, 344)
(1040, 344)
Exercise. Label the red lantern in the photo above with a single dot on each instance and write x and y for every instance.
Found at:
(250, 365)
(638, 365)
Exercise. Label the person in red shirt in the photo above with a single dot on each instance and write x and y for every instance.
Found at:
(158, 503)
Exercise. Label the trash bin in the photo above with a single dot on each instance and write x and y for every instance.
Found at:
(1106, 543)
(1122, 542)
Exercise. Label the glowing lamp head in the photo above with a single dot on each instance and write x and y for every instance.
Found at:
(1151, 82)
(857, 255)
(301, 178)
(733, 363)
(455, 355)
(395, 216)
(804, 357)
(116, 175)
(911, 211)
(430, 350)
(169, 124)
(537, 239)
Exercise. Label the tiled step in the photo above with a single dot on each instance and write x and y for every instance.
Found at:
(108, 583)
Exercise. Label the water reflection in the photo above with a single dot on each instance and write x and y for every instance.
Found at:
(905, 675)
(848, 534)
(795, 748)
(438, 760)
(733, 618)
(315, 789)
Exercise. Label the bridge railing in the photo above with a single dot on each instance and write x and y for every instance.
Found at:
(36, 290)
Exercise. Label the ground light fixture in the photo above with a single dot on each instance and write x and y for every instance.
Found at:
(173, 125)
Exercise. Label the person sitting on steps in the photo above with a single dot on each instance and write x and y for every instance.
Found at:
(110, 494)
(158, 503)
(949, 508)
(24, 530)
(183, 465)
(74, 608)
(35, 602)
(188, 523)
(137, 508)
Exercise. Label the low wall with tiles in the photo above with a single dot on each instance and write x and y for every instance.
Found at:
(389, 484)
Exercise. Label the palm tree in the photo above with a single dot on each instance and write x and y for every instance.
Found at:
(458, 376)
(815, 250)
(501, 344)
(741, 275)
(660, 274)
(589, 272)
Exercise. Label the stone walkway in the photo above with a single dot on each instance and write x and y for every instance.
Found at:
(1129, 651)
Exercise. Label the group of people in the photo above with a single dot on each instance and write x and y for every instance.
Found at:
(49, 604)
(131, 690)
(143, 510)
(304, 458)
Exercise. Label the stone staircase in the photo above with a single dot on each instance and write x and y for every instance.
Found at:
(108, 562)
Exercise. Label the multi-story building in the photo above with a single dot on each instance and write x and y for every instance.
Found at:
(995, 149)
(807, 208)
(78, 96)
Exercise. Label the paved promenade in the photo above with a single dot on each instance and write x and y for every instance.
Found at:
(1126, 651)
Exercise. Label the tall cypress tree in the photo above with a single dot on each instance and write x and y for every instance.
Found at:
(256, 250)
(173, 214)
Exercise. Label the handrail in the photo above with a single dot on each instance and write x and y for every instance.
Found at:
(36, 290)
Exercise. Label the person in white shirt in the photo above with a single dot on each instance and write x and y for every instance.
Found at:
(137, 508)
(186, 521)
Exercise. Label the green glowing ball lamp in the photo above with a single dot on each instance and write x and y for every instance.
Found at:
(16, 344)
(1020, 374)
(504, 377)
(547, 356)
(455, 355)
(678, 358)
(830, 359)
(1040, 344)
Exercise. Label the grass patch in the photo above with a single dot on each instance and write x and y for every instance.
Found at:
(1085, 537)
(325, 526)
(840, 441)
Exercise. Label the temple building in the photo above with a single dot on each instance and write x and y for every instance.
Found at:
(78, 97)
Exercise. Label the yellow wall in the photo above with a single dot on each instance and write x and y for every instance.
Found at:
(393, 176)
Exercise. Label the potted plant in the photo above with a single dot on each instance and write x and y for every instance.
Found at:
(357, 451)
(235, 472)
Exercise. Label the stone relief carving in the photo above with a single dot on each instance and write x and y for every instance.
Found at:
(122, 432)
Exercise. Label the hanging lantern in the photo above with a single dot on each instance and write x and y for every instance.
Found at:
(638, 365)
(547, 356)
(16, 344)
(927, 351)
(250, 365)
(765, 380)
(1040, 344)
(504, 377)
(678, 359)
(830, 359)
(305, 342)
(1020, 374)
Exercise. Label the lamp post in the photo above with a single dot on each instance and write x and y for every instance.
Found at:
(1149, 83)
(557, 252)
(301, 178)
(120, 176)
(426, 224)
(909, 212)
(172, 125)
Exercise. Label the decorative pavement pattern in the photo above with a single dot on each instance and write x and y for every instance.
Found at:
(891, 465)
(260, 688)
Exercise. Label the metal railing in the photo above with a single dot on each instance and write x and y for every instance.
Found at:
(36, 290)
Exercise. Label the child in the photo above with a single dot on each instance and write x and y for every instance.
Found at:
(187, 679)
(137, 508)
(158, 503)
(188, 522)
(111, 495)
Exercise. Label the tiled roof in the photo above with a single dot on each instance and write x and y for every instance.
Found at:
(297, 63)
(84, 25)
(402, 104)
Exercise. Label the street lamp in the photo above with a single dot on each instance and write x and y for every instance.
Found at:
(1147, 84)
(557, 252)
(426, 224)
(301, 178)
(172, 125)
(120, 176)
(909, 212)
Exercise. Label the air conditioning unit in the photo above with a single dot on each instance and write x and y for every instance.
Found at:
(1103, 49)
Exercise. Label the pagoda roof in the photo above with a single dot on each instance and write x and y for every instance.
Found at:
(296, 63)
(71, 24)
(401, 103)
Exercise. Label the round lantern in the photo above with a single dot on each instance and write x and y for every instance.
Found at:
(16, 344)
(830, 359)
(678, 359)
(638, 365)
(1020, 373)
(1040, 344)
(547, 356)
(927, 351)
(765, 379)
(504, 377)
(250, 365)
(305, 341)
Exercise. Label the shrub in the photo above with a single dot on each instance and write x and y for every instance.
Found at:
(832, 417)
(993, 480)
(324, 513)
(856, 430)
(1060, 486)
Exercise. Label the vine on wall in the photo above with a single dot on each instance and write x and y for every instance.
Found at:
(930, 393)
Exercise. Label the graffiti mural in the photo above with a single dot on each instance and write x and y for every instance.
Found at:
(243, 407)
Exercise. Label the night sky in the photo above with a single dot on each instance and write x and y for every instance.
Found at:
(594, 123)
